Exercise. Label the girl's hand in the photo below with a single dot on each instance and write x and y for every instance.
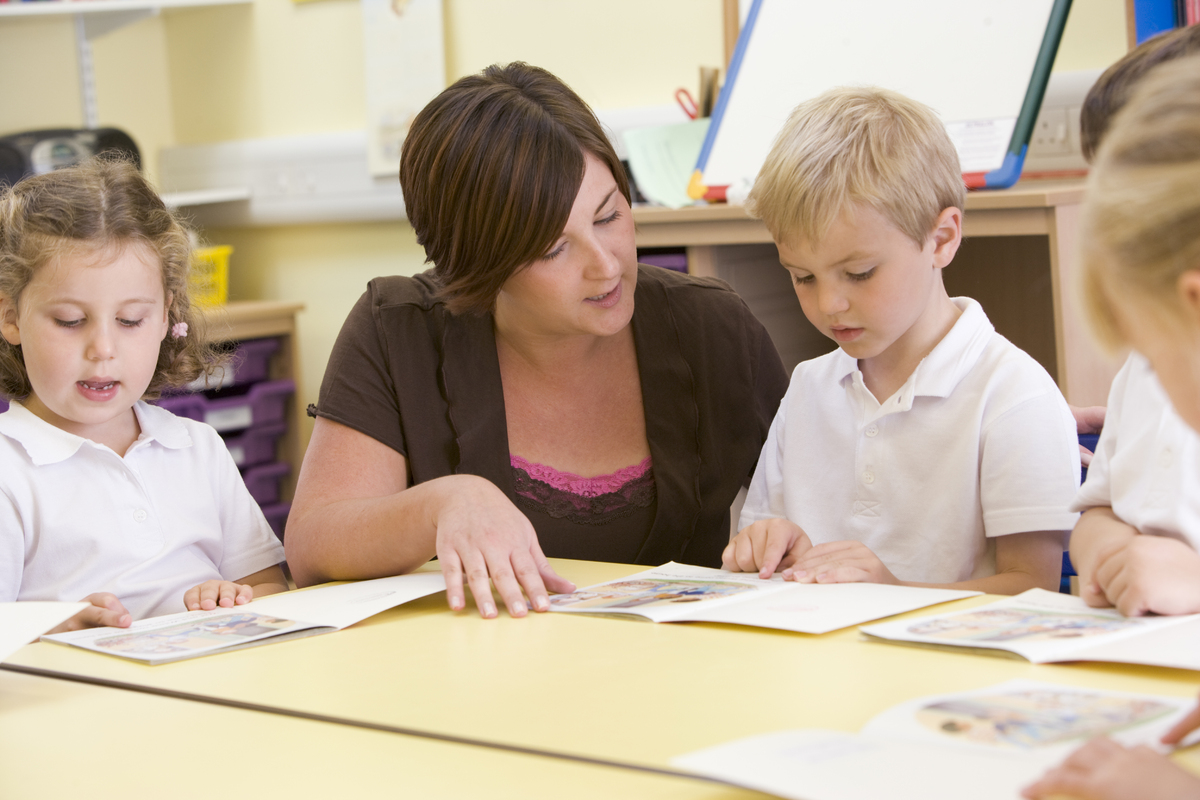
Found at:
(1149, 575)
(840, 562)
(1104, 770)
(211, 594)
(482, 535)
(106, 612)
(766, 546)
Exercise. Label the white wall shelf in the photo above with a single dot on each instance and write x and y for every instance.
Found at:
(41, 8)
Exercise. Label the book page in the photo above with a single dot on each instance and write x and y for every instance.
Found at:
(25, 621)
(1029, 719)
(669, 593)
(1021, 728)
(820, 608)
(183, 635)
(1038, 625)
(347, 603)
(277, 616)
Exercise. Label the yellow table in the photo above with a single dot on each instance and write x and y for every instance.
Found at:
(630, 692)
(67, 740)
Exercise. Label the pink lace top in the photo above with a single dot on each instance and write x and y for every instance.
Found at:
(589, 501)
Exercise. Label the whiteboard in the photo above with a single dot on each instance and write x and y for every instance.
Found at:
(978, 63)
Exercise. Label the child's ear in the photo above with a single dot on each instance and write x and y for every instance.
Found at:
(946, 236)
(8, 320)
(1188, 286)
(166, 320)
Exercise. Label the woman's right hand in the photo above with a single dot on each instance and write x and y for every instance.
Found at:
(481, 535)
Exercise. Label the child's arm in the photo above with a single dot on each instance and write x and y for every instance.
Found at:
(1098, 534)
(105, 611)
(1104, 770)
(1023, 561)
(227, 594)
(766, 546)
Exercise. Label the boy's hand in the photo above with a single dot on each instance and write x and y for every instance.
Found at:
(211, 594)
(1104, 770)
(766, 546)
(1149, 574)
(106, 611)
(840, 562)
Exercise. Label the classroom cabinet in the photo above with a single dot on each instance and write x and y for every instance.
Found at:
(1017, 259)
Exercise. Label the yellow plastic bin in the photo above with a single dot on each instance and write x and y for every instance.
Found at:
(209, 279)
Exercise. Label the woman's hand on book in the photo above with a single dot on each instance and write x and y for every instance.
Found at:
(766, 546)
(483, 537)
(105, 611)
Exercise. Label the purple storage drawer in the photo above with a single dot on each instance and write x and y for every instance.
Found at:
(263, 481)
(675, 261)
(249, 363)
(256, 445)
(277, 514)
(263, 404)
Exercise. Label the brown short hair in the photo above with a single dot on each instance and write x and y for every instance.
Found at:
(1141, 213)
(490, 170)
(1110, 91)
(101, 204)
(858, 145)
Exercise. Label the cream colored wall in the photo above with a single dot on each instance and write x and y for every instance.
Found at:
(275, 68)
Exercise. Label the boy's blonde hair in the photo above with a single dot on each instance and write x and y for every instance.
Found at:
(852, 146)
(93, 208)
(1141, 213)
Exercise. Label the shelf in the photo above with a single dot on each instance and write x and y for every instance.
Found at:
(42, 8)
(204, 197)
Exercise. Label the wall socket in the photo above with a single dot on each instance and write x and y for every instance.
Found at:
(1054, 145)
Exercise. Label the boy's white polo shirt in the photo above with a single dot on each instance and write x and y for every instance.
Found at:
(1147, 462)
(76, 518)
(978, 443)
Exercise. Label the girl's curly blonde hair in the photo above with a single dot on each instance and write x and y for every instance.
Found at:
(98, 205)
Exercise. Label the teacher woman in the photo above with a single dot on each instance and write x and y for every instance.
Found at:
(536, 393)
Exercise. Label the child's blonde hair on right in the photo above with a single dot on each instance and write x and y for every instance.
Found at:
(89, 208)
(1141, 216)
(858, 145)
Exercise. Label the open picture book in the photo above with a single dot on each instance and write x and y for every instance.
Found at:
(269, 619)
(683, 593)
(981, 744)
(1047, 627)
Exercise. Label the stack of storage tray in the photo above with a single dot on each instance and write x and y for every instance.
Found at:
(250, 412)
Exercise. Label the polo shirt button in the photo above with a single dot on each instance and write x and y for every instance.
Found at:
(871, 431)
(868, 477)
(140, 515)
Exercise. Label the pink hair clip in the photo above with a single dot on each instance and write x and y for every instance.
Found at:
(179, 330)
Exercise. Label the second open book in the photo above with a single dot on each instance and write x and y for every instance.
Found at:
(683, 593)
(1046, 627)
(984, 744)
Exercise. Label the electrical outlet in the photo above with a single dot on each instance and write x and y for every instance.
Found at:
(1052, 132)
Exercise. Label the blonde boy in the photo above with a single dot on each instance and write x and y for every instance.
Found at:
(927, 449)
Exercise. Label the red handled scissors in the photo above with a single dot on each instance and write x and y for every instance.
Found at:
(687, 103)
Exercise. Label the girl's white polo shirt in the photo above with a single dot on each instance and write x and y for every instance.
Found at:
(76, 518)
(1147, 462)
(978, 443)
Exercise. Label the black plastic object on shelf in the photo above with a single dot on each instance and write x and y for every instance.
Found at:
(37, 152)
